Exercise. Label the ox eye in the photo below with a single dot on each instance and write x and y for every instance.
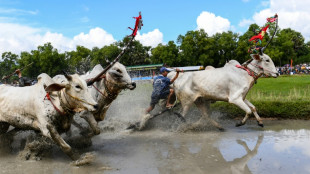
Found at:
(119, 71)
(78, 87)
(267, 60)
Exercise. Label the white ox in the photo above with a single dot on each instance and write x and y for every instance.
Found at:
(105, 92)
(229, 83)
(29, 107)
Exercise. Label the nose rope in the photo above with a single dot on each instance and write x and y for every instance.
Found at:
(78, 99)
(264, 69)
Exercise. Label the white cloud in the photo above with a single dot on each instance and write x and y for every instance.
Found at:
(18, 11)
(246, 22)
(292, 14)
(152, 38)
(96, 37)
(16, 38)
(212, 24)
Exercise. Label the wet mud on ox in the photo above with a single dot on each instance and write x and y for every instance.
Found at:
(47, 107)
(105, 91)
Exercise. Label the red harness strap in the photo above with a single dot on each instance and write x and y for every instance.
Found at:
(250, 72)
(49, 98)
(98, 90)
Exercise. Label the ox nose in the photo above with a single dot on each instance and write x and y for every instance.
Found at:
(96, 106)
(134, 85)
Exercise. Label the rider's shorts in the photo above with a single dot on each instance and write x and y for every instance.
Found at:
(157, 96)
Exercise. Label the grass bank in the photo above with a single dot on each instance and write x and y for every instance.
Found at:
(282, 97)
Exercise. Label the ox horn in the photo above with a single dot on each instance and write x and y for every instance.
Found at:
(67, 75)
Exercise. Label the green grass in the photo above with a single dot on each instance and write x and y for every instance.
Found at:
(282, 97)
(283, 88)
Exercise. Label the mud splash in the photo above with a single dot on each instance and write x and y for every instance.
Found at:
(36, 147)
(86, 158)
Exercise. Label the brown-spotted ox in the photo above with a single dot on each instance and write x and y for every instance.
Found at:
(105, 91)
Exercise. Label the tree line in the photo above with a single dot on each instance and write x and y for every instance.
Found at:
(196, 47)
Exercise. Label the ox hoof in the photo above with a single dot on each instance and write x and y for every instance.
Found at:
(239, 124)
(260, 124)
(180, 117)
(183, 119)
(134, 126)
(221, 129)
(97, 131)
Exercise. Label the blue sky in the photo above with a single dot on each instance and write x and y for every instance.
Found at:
(67, 23)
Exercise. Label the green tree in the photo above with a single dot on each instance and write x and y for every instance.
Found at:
(193, 50)
(46, 59)
(136, 53)
(105, 54)
(290, 44)
(8, 65)
(79, 60)
(226, 45)
(166, 54)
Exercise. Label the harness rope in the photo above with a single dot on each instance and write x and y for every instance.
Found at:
(250, 72)
(62, 103)
(109, 94)
(67, 109)
(47, 96)
(264, 69)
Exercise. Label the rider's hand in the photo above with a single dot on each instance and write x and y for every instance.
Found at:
(178, 70)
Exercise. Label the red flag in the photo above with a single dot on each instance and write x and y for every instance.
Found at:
(291, 63)
(138, 25)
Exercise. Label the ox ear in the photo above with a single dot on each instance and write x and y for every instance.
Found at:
(54, 87)
(256, 57)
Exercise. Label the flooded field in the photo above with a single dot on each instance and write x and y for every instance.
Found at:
(279, 147)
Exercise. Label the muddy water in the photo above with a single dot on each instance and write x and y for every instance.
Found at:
(280, 147)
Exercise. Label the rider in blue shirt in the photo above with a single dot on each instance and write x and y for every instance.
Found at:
(161, 88)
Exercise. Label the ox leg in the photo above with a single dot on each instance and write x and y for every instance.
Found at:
(4, 127)
(203, 106)
(185, 110)
(89, 117)
(252, 107)
(61, 142)
(242, 105)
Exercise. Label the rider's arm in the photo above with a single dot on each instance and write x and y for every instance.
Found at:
(175, 77)
(19, 73)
